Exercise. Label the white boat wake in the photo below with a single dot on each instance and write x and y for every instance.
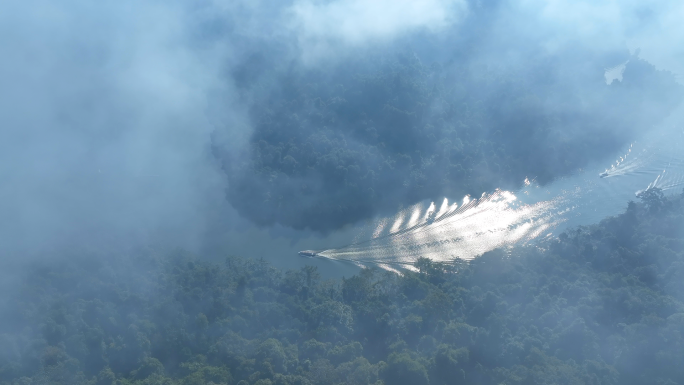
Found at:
(453, 232)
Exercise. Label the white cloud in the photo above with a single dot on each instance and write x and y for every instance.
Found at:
(105, 123)
(654, 27)
(352, 23)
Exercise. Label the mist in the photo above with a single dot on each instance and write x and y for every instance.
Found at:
(110, 112)
(365, 123)
(145, 147)
(105, 123)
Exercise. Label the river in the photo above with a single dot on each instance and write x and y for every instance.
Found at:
(466, 227)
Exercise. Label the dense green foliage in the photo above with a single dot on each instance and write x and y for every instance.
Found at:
(599, 305)
(336, 146)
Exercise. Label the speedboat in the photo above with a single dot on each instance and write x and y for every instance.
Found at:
(603, 174)
(308, 253)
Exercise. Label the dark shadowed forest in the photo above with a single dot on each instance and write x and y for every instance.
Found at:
(336, 146)
(601, 304)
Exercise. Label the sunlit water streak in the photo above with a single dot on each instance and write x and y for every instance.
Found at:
(670, 178)
(505, 218)
(494, 220)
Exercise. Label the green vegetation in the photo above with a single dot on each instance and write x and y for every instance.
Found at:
(337, 146)
(599, 305)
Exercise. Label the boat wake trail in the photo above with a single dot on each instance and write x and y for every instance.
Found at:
(634, 162)
(448, 232)
(672, 177)
(452, 231)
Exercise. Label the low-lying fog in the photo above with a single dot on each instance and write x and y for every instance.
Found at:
(262, 129)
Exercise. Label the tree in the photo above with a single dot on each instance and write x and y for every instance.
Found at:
(402, 369)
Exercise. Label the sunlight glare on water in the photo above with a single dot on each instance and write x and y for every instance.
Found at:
(415, 215)
(397, 223)
(505, 218)
(478, 226)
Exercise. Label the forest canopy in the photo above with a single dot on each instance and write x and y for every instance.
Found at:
(147, 148)
(600, 304)
(335, 146)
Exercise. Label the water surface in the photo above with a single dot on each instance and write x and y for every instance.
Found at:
(465, 227)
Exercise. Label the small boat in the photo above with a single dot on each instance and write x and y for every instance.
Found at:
(603, 174)
(641, 193)
(308, 253)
